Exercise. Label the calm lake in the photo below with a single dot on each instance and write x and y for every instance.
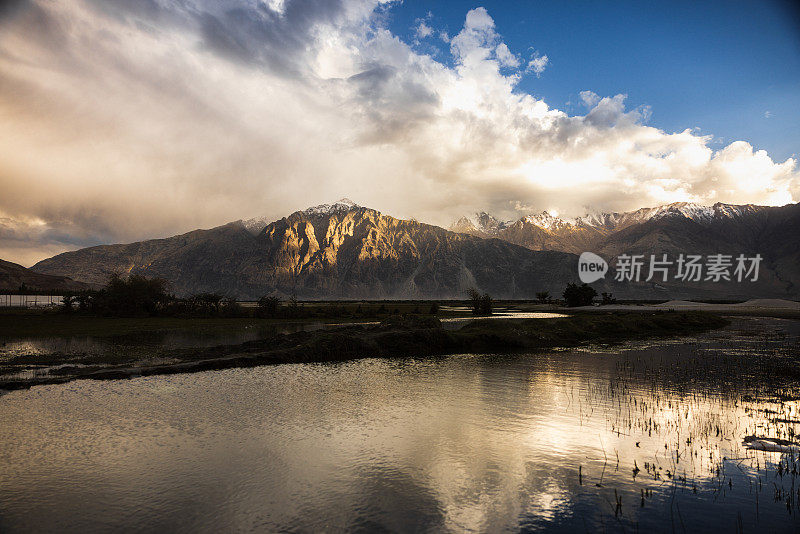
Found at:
(644, 436)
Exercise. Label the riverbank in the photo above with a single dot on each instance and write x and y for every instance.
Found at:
(21, 323)
(38, 322)
(398, 337)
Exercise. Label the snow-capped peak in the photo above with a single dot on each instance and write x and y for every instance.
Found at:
(548, 221)
(344, 204)
(256, 224)
(480, 223)
(690, 210)
(598, 219)
(487, 224)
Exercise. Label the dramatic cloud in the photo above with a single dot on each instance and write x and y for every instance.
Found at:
(123, 120)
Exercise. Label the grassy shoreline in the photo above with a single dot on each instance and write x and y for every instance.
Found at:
(24, 323)
(399, 337)
(61, 325)
(38, 323)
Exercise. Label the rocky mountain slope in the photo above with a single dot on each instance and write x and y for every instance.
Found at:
(330, 251)
(14, 277)
(342, 250)
(674, 229)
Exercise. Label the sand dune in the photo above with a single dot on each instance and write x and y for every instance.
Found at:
(750, 306)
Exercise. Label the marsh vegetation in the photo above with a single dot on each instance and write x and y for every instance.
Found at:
(397, 336)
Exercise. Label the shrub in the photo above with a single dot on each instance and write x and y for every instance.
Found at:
(607, 298)
(206, 303)
(85, 300)
(480, 304)
(269, 305)
(579, 295)
(68, 302)
(230, 307)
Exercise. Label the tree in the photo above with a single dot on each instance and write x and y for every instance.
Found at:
(206, 303)
(480, 304)
(294, 306)
(607, 298)
(230, 307)
(131, 296)
(269, 305)
(579, 295)
(68, 302)
(543, 297)
(85, 300)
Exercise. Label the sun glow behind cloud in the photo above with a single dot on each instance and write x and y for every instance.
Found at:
(126, 120)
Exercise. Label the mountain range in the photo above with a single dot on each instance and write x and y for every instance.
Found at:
(14, 277)
(343, 250)
(330, 251)
(548, 232)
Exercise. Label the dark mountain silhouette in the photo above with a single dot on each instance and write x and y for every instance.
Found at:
(14, 277)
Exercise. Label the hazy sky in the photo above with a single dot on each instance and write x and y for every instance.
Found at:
(122, 119)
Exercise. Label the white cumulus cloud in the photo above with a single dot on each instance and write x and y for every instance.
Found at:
(423, 30)
(537, 64)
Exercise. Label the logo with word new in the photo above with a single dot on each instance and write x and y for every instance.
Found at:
(591, 267)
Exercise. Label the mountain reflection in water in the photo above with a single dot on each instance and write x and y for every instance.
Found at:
(646, 435)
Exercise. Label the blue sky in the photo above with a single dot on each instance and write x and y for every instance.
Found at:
(717, 66)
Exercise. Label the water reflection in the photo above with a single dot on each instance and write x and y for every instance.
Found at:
(649, 438)
(456, 322)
